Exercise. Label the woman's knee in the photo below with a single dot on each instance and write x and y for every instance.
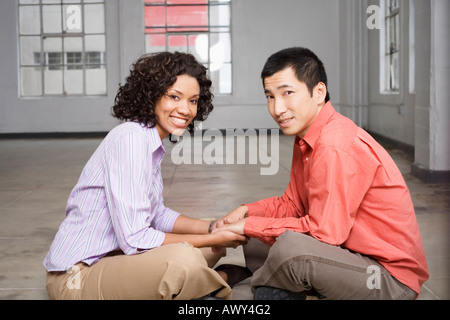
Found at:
(184, 255)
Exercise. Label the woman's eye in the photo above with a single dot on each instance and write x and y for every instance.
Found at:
(174, 97)
(194, 101)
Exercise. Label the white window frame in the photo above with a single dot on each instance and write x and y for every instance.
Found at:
(42, 60)
(210, 32)
(390, 44)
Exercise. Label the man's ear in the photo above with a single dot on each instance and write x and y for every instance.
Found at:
(320, 92)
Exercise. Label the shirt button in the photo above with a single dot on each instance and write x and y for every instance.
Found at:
(307, 158)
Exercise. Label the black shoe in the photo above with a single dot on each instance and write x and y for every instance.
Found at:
(235, 274)
(271, 293)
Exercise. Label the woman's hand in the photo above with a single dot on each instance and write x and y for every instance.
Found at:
(228, 238)
(236, 230)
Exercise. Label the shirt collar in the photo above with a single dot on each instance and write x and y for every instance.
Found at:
(158, 142)
(155, 138)
(314, 130)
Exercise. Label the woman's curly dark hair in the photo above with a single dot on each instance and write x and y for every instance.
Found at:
(150, 78)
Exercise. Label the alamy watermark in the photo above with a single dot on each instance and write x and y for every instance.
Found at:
(229, 147)
(74, 281)
(373, 281)
(374, 19)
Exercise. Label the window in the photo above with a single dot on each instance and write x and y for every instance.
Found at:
(390, 46)
(199, 27)
(62, 47)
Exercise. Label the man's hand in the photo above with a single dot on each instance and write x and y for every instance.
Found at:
(236, 227)
(234, 216)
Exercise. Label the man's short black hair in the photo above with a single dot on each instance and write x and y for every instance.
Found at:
(307, 67)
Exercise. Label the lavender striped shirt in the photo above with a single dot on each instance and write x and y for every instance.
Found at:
(117, 202)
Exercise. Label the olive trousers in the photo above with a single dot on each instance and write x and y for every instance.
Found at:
(174, 271)
(299, 262)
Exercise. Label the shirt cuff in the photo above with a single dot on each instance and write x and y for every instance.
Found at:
(255, 228)
(255, 209)
(152, 239)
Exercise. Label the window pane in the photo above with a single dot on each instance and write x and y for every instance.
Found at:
(73, 81)
(187, 18)
(199, 46)
(94, 57)
(29, 20)
(31, 82)
(220, 50)
(392, 35)
(53, 44)
(94, 18)
(95, 43)
(186, 1)
(52, 20)
(74, 61)
(29, 1)
(73, 44)
(53, 81)
(55, 60)
(395, 72)
(30, 50)
(53, 57)
(221, 77)
(155, 42)
(178, 43)
(95, 81)
(155, 16)
(73, 19)
(220, 15)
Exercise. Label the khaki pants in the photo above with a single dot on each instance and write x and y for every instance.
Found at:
(175, 271)
(298, 262)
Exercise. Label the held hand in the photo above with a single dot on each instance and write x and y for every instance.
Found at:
(233, 232)
(236, 227)
(225, 238)
(234, 216)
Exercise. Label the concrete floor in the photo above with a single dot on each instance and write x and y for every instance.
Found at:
(37, 176)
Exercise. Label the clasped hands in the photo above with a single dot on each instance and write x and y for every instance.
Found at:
(233, 222)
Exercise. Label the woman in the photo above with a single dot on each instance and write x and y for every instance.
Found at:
(118, 240)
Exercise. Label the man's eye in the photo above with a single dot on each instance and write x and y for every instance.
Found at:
(269, 97)
(288, 92)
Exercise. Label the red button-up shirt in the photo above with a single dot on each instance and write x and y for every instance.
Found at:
(346, 190)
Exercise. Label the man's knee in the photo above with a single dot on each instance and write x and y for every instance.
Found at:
(286, 263)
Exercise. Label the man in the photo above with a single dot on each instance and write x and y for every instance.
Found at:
(345, 226)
